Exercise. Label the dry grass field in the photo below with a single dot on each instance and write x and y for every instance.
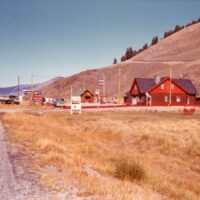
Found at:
(112, 155)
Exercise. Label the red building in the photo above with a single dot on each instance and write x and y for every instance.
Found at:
(86, 96)
(161, 92)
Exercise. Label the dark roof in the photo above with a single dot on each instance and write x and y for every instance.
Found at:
(145, 84)
(186, 84)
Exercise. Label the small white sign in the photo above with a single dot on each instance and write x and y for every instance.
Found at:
(75, 105)
(97, 92)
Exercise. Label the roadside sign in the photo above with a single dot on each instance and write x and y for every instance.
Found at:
(97, 92)
(75, 105)
(37, 97)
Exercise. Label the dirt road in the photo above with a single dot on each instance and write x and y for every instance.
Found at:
(9, 188)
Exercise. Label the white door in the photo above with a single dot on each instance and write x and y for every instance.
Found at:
(134, 101)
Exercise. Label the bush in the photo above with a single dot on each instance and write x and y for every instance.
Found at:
(128, 170)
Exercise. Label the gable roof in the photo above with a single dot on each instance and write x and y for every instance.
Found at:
(186, 84)
(87, 91)
(80, 92)
(146, 84)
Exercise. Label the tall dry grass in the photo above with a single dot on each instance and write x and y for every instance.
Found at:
(162, 149)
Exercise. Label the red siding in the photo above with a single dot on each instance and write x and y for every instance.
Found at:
(134, 88)
(158, 95)
(87, 97)
(176, 90)
(158, 99)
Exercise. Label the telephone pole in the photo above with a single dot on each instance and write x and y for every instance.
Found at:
(31, 94)
(119, 84)
(18, 87)
(32, 88)
(104, 88)
(170, 86)
(32, 83)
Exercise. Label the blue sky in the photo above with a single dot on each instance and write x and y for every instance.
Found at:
(51, 38)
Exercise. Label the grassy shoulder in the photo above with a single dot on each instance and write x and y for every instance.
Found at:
(115, 155)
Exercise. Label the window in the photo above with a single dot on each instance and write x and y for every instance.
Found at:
(162, 86)
(166, 99)
(172, 86)
(178, 99)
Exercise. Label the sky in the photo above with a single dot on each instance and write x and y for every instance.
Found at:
(49, 38)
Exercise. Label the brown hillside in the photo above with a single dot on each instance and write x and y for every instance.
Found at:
(181, 50)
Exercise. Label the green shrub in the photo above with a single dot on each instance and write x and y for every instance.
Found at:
(128, 170)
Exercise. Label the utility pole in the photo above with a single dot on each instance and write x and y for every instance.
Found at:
(18, 87)
(119, 84)
(170, 86)
(31, 94)
(104, 88)
(32, 83)
(32, 88)
(71, 91)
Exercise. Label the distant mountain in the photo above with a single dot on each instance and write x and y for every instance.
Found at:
(13, 90)
(180, 50)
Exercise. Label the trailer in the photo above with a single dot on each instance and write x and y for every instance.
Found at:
(5, 100)
(11, 99)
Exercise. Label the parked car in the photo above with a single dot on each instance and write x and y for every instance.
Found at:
(60, 102)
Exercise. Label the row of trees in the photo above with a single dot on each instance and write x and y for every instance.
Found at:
(178, 28)
(131, 52)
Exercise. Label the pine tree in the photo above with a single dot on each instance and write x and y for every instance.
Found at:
(177, 28)
(123, 58)
(145, 47)
(115, 61)
(154, 40)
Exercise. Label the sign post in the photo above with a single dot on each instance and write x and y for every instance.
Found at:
(75, 105)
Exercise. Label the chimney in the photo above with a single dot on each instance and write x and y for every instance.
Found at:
(156, 79)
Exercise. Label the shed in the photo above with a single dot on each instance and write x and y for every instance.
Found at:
(86, 96)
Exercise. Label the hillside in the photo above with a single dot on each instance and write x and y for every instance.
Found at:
(13, 90)
(180, 50)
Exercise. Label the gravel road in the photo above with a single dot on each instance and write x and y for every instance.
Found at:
(17, 182)
(9, 188)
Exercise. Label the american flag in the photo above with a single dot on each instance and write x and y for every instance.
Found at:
(101, 82)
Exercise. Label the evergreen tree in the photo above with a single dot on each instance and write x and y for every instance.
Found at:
(123, 58)
(177, 28)
(145, 47)
(154, 40)
(115, 61)
(129, 53)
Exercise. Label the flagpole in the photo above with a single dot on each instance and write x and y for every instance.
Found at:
(104, 88)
